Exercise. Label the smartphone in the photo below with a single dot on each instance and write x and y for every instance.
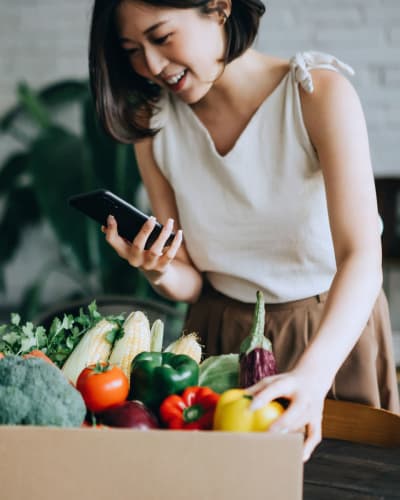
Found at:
(101, 203)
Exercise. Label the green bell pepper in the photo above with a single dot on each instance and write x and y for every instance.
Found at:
(156, 375)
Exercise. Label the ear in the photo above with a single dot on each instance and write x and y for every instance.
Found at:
(221, 9)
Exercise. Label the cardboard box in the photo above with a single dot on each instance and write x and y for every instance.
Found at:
(42, 463)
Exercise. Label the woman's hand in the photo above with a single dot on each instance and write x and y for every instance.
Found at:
(304, 411)
(155, 261)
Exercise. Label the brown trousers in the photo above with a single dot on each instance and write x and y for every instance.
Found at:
(368, 374)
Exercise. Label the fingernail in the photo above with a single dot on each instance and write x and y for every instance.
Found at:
(110, 219)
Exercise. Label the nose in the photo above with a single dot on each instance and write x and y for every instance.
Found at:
(155, 60)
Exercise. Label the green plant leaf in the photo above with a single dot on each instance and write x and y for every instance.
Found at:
(64, 92)
(33, 104)
(11, 171)
(35, 185)
(31, 299)
(53, 96)
(102, 147)
(114, 164)
(21, 210)
(61, 167)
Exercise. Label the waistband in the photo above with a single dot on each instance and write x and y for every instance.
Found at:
(209, 291)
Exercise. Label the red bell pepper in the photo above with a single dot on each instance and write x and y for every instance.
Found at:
(193, 410)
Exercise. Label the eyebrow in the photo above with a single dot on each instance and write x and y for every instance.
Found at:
(147, 31)
(154, 27)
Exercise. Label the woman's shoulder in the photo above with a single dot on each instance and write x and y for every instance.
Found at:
(328, 98)
(308, 67)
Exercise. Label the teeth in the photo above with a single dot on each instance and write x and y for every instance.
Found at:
(175, 79)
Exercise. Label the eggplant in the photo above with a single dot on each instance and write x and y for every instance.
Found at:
(256, 359)
(130, 414)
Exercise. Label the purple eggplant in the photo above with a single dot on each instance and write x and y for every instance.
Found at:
(256, 359)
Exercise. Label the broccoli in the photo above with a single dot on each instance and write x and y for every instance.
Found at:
(33, 392)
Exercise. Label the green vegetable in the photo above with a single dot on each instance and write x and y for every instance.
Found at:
(156, 375)
(220, 373)
(58, 342)
(34, 392)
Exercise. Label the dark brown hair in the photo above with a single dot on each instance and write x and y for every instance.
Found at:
(124, 100)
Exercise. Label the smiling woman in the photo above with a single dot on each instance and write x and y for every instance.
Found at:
(263, 164)
(128, 46)
(167, 47)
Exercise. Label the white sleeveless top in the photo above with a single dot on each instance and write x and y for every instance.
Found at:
(255, 218)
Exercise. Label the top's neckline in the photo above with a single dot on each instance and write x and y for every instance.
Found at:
(192, 115)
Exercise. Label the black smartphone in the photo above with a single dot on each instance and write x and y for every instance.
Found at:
(101, 203)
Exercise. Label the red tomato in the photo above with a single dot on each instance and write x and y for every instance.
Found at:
(102, 386)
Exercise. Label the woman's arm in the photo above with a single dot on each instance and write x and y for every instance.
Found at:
(334, 119)
(169, 270)
(335, 122)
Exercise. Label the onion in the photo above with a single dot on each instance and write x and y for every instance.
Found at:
(130, 414)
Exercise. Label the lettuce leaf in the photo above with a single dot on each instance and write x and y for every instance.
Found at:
(220, 373)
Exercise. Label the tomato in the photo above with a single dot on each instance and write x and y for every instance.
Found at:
(102, 386)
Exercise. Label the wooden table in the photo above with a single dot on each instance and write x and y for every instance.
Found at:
(341, 470)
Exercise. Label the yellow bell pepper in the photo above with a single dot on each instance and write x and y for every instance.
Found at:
(233, 413)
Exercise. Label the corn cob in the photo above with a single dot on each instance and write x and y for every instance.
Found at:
(136, 339)
(157, 335)
(92, 348)
(186, 344)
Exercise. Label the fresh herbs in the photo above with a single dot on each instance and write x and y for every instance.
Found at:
(61, 338)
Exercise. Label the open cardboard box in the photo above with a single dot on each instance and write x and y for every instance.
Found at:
(43, 463)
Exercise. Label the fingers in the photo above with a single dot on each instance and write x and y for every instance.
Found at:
(269, 389)
(157, 247)
(172, 250)
(120, 245)
(313, 438)
(138, 244)
(304, 411)
(157, 257)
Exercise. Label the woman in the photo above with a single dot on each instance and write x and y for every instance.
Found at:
(264, 163)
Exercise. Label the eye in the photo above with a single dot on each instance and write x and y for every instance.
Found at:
(162, 39)
(131, 51)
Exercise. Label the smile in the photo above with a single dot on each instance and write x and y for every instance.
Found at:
(175, 79)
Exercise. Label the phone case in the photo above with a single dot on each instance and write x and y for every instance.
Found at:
(101, 203)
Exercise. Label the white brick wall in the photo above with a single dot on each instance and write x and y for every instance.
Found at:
(366, 35)
(41, 41)
(45, 40)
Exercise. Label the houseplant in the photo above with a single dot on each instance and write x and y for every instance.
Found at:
(60, 156)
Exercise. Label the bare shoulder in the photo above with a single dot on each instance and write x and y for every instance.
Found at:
(330, 88)
(333, 102)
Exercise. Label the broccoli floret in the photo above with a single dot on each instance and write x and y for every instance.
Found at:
(15, 407)
(33, 392)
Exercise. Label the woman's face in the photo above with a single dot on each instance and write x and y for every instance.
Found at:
(178, 49)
